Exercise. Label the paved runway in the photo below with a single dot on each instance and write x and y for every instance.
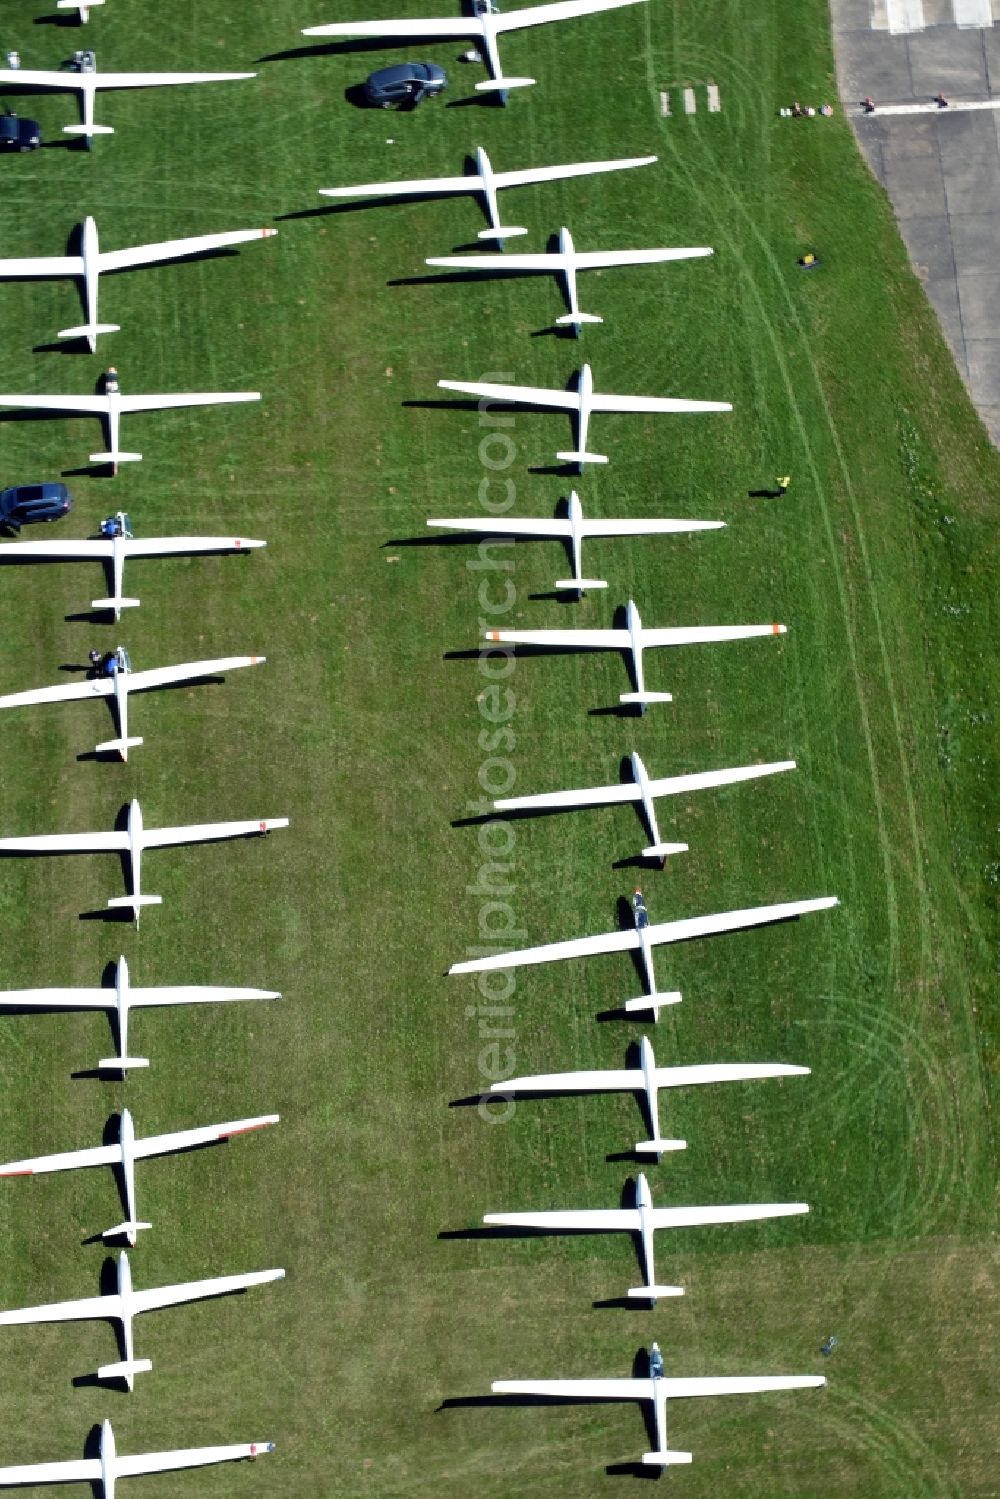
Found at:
(941, 168)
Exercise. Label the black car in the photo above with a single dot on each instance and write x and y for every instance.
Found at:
(17, 134)
(405, 84)
(26, 503)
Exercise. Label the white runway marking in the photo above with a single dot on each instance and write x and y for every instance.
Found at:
(897, 16)
(900, 17)
(973, 12)
(928, 109)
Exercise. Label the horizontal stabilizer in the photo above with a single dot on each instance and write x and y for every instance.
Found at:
(115, 457)
(125, 1370)
(570, 319)
(664, 850)
(89, 330)
(653, 1002)
(117, 746)
(88, 130)
(645, 697)
(119, 902)
(501, 233)
(121, 1064)
(498, 85)
(114, 603)
(582, 457)
(659, 1147)
(666, 1459)
(127, 1230)
(581, 583)
(653, 1293)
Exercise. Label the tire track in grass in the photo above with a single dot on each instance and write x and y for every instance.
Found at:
(887, 1045)
(916, 864)
(924, 963)
(908, 1456)
(802, 430)
(899, 1459)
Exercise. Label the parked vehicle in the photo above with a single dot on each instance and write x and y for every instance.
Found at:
(26, 503)
(17, 134)
(406, 84)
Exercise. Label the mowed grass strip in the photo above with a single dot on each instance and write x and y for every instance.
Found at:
(881, 561)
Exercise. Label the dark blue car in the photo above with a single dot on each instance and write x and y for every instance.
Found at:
(17, 134)
(26, 503)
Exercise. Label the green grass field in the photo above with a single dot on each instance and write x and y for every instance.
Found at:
(881, 559)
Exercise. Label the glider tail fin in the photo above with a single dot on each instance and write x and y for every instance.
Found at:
(664, 850)
(657, 1147)
(666, 1459)
(643, 698)
(127, 1370)
(574, 319)
(501, 85)
(88, 130)
(89, 331)
(128, 1230)
(121, 1064)
(119, 747)
(653, 1293)
(115, 458)
(579, 584)
(134, 903)
(580, 458)
(114, 604)
(654, 1002)
(501, 232)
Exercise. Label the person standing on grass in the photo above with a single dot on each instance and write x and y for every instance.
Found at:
(783, 484)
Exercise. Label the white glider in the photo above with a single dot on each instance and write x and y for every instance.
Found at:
(123, 998)
(580, 401)
(643, 1220)
(484, 26)
(91, 261)
(85, 80)
(128, 1303)
(643, 938)
(644, 791)
(632, 641)
(646, 1080)
(120, 684)
(564, 263)
(104, 1470)
(132, 840)
(110, 404)
(572, 528)
(486, 181)
(115, 548)
(658, 1390)
(124, 1155)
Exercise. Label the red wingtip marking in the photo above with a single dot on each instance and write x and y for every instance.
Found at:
(262, 826)
(492, 634)
(244, 1129)
(28, 1172)
(776, 629)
